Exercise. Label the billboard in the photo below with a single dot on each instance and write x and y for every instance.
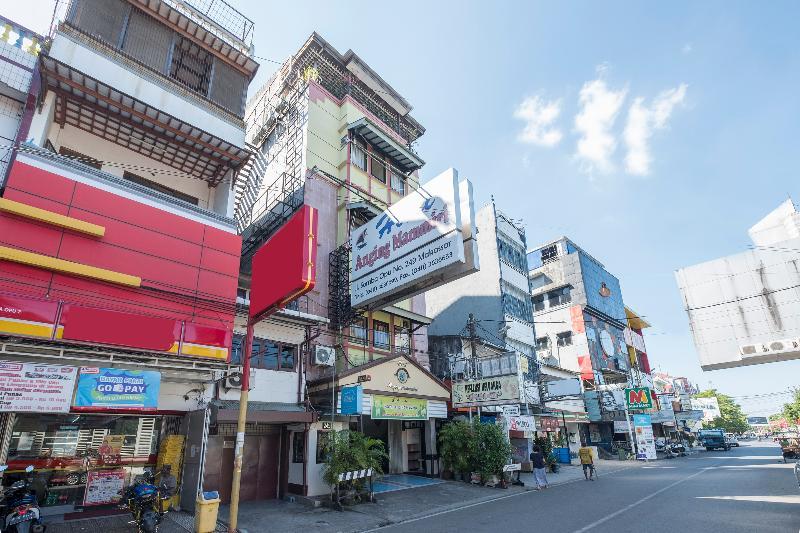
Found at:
(709, 406)
(757, 420)
(398, 408)
(497, 390)
(113, 388)
(639, 398)
(285, 267)
(645, 443)
(33, 388)
(415, 244)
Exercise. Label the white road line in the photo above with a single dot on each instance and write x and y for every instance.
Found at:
(638, 502)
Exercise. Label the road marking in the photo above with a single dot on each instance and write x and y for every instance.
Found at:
(637, 502)
(476, 504)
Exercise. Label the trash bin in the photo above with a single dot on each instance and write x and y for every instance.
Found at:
(622, 454)
(205, 515)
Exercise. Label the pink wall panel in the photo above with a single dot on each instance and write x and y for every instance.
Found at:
(41, 183)
(213, 285)
(219, 261)
(223, 241)
(24, 234)
(36, 201)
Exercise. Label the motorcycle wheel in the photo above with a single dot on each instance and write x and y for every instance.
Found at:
(22, 527)
(149, 522)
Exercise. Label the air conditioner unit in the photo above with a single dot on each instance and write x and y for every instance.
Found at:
(324, 355)
(233, 380)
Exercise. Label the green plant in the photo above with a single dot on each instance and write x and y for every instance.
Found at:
(454, 445)
(491, 450)
(350, 450)
(545, 444)
(561, 440)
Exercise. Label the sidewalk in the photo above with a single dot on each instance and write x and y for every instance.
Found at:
(574, 472)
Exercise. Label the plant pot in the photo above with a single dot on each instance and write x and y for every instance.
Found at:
(492, 481)
(475, 478)
(447, 474)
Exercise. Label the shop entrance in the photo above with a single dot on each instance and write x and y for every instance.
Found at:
(378, 429)
(261, 457)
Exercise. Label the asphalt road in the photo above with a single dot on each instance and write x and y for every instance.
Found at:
(747, 489)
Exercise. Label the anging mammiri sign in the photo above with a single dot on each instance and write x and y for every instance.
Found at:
(488, 391)
(114, 388)
(409, 242)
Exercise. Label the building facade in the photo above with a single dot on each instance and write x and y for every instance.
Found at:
(119, 253)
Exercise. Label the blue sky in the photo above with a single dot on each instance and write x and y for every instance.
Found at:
(652, 134)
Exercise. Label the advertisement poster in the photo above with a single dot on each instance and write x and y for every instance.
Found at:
(488, 391)
(399, 408)
(117, 389)
(32, 388)
(111, 449)
(104, 487)
(645, 443)
(351, 398)
(521, 423)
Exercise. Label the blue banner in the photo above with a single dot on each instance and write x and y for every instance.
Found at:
(642, 421)
(352, 397)
(113, 388)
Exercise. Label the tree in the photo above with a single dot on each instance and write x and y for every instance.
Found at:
(731, 416)
(791, 410)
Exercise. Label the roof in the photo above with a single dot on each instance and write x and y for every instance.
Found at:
(401, 156)
(93, 106)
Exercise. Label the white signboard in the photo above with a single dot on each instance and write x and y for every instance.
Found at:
(510, 410)
(621, 426)
(31, 388)
(645, 442)
(563, 387)
(521, 423)
(413, 239)
(709, 406)
(488, 391)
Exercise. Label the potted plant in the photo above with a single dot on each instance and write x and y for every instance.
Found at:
(454, 448)
(490, 452)
(347, 451)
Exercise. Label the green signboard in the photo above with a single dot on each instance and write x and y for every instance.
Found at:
(399, 408)
(639, 398)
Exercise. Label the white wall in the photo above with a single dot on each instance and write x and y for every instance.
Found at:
(171, 395)
(316, 485)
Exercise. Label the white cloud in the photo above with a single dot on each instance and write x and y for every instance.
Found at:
(539, 116)
(642, 121)
(599, 109)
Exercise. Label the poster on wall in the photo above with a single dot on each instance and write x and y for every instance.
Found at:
(399, 408)
(645, 443)
(498, 390)
(104, 487)
(113, 388)
(32, 388)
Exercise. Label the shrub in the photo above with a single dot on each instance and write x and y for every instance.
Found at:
(491, 449)
(351, 450)
(454, 446)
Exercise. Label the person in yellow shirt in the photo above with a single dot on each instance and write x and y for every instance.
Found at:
(585, 454)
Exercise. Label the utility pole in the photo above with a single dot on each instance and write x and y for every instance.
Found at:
(473, 356)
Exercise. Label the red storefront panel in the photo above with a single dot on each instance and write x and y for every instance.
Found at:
(123, 329)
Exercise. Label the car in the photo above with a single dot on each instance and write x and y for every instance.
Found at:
(731, 439)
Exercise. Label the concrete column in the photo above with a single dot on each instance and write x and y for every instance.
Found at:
(430, 447)
(224, 196)
(42, 121)
(396, 451)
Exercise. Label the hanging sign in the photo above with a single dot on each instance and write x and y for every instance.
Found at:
(488, 391)
(113, 388)
(104, 487)
(351, 399)
(399, 408)
(639, 398)
(32, 388)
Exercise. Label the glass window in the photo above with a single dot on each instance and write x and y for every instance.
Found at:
(542, 343)
(538, 302)
(322, 441)
(358, 156)
(377, 168)
(398, 182)
(287, 357)
(298, 447)
(549, 253)
(380, 334)
(358, 331)
(402, 337)
(564, 339)
(266, 354)
(559, 297)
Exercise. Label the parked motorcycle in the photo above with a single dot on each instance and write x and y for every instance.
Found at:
(672, 451)
(20, 507)
(145, 501)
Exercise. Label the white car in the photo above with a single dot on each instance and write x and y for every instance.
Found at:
(731, 439)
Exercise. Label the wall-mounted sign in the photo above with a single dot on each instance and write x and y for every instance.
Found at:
(364, 377)
(31, 388)
(352, 398)
(398, 408)
(408, 243)
(510, 410)
(621, 426)
(488, 391)
(521, 423)
(112, 388)
(639, 398)
(327, 425)
(548, 423)
(104, 487)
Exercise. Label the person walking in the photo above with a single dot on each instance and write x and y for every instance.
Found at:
(587, 461)
(537, 460)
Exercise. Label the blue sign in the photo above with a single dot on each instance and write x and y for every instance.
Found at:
(642, 421)
(113, 388)
(352, 397)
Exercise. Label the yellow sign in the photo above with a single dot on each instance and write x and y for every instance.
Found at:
(399, 408)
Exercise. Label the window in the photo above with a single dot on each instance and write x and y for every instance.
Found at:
(398, 182)
(549, 253)
(298, 447)
(85, 159)
(564, 339)
(559, 297)
(542, 343)
(380, 335)
(358, 331)
(191, 65)
(402, 337)
(266, 354)
(358, 156)
(377, 169)
(242, 296)
(538, 302)
(512, 255)
(322, 441)
(517, 307)
(135, 178)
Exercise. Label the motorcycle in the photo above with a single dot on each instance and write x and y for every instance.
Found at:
(145, 501)
(20, 507)
(672, 451)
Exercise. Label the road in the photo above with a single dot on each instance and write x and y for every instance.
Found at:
(747, 489)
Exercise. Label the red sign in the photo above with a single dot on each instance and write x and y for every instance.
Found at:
(285, 267)
(549, 424)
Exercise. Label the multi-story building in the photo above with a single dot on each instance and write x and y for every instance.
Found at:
(581, 324)
(119, 253)
(328, 132)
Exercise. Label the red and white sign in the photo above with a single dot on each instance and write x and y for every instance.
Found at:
(521, 423)
(31, 388)
(104, 486)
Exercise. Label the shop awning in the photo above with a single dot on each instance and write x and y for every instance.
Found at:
(402, 157)
(266, 412)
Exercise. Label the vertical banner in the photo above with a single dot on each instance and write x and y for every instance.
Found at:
(645, 443)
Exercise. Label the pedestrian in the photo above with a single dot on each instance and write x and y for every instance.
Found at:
(537, 460)
(585, 454)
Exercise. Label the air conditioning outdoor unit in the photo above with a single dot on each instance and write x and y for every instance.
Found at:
(324, 355)
(233, 380)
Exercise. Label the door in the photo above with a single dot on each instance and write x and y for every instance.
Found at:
(259, 467)
(193, 458)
